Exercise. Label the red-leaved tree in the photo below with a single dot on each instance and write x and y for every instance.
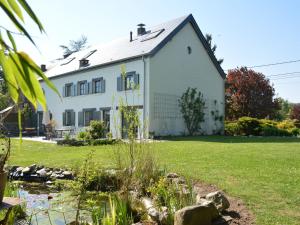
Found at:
(295, 112)
(249, 93)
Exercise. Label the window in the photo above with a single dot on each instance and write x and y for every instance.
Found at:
(129, 82)
(69, 118)
(82, 88)
(67, 61)
(98, 85)
(68, 90)
(88, 116)
(106, 118)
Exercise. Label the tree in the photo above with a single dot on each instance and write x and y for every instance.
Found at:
(284, 109)
(192, 107)
(20, 72)
(74, 46)
(249, 93)
(213, 48)
(295, 112)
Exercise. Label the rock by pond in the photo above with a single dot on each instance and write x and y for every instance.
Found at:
(38, 173)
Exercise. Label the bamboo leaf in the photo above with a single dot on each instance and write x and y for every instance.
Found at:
(12, 40)
(30, 12)
(10, 14)
(9, 78)
(38, 71)
(15, 7)
(24, 85)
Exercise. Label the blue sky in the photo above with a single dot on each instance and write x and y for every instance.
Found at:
(246, 32)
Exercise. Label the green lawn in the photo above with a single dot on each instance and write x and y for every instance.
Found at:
(264, 172)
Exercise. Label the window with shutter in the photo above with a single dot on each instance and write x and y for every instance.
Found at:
(103, 86)
(119, 83)
(80, 119)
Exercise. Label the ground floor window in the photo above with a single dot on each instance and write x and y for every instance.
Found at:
(69, 118)
(106, 119)
(88, 116)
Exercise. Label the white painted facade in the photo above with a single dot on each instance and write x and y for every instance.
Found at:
(163, 77)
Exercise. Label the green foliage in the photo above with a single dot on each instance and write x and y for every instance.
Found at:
(263, 127)
(171, 195)
(192, 107)
(249, 126)
(5, 147)
(232, 128)
(71, 142)
(20, 72)
(96, 130)
(103, 142)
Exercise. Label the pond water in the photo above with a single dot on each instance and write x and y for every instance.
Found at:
(44, 205)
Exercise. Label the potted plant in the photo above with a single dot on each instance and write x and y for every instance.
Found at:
(4, 154)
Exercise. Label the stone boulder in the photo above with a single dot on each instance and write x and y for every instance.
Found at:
(219, 200)
(196, 214)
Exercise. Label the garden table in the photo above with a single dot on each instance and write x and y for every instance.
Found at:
(8, 204)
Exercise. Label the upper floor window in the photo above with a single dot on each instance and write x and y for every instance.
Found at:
(68, 90)
(82, 88)
(129, 82)
(98, 85)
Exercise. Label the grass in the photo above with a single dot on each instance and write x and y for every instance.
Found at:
(264, 172)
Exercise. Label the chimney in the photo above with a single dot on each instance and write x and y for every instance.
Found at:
(43, 68)
(141, 29)
(83, 62)
(130, 36)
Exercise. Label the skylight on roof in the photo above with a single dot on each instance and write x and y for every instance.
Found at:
(68, 61)
(89, 54)
(152, 34)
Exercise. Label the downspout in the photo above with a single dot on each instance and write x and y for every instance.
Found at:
(144, 96)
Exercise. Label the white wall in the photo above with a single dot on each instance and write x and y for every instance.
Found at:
(173, 70)
(110, 98)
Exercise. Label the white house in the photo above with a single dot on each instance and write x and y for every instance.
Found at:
(164, 60)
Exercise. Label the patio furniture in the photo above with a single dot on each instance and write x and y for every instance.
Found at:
(65, 130)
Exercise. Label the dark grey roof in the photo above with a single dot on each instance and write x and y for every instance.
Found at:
(122, 49)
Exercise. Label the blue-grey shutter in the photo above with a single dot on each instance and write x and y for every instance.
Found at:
(90, 87)
(64, 91)
(86, 88)
(102, 86)
(96, 115)
(80, 119)
(72, 118)
(73, 91)
(64, 118)
(119, 83)
(93, 86)
(136, 79)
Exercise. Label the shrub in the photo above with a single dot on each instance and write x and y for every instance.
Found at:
(232, 129)
(96, 129)
(192, 105)
(295, 131)
(249, 126)
(286, 124)
(274, 131)
(103, 142)
(70, 142)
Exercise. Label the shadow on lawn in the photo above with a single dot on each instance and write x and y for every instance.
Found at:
(239, 139)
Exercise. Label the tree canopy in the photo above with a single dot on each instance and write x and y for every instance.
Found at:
(249, 93)
(212, 46)
(295, 112)
(74, 46)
